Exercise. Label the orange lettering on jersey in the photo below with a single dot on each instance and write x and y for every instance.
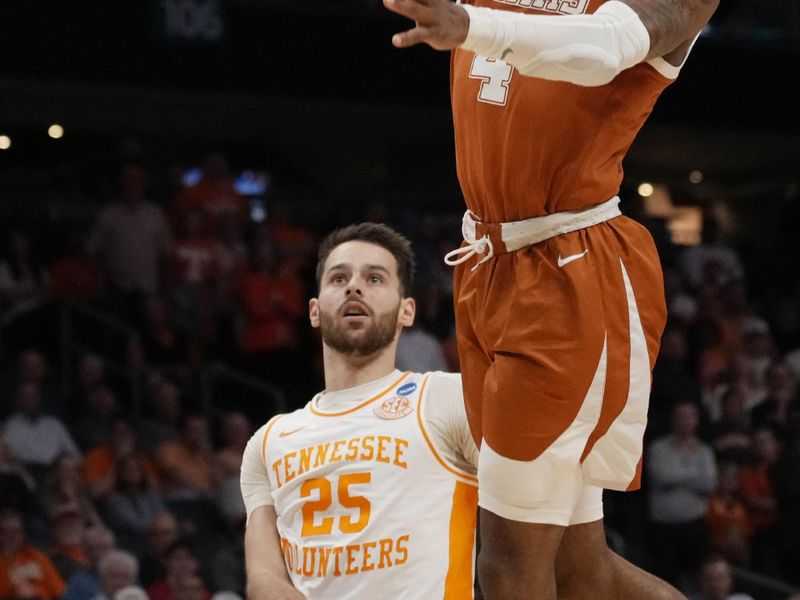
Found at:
(386, 551)
(336, 570)
(402, 550)
(322, 453)
(337, 446)
(308, 569)
(297, 568)
(277, 475)
(288, 474)
(324, 558)
(367, 564)
(368, 447)
(352, 449)
(286, 549)
(351, 559)
(399, 445)
(305, 460)
(382, 441)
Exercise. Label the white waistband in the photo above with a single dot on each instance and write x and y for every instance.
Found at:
(518, 234)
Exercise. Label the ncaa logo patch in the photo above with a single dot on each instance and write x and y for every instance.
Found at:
(407, 389)
(393, 408)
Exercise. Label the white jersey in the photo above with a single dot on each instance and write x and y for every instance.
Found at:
(366, 505)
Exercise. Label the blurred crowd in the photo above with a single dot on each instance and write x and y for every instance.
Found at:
(102, 492)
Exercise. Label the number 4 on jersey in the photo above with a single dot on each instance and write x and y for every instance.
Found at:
(495, 76)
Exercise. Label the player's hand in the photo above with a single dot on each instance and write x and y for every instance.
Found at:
(441, 24)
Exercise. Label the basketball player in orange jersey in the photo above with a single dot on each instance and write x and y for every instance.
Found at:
(559, 298)
(370, 490)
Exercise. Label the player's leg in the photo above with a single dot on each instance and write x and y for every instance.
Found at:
(517, 559)
(526, 504)
(587, 568)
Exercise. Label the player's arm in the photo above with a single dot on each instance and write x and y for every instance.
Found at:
(581, 49)
(267, 578)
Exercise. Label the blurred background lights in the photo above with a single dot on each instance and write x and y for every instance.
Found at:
(645, 190)
(5, 142)
(695, 176)
(55, 131)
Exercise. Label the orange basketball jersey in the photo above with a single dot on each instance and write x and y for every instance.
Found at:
(525, 146)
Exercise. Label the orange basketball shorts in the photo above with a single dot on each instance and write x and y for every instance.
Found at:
(557, 343)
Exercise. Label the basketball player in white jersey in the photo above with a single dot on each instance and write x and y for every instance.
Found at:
(370, 490)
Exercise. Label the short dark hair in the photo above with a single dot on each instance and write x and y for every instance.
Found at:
(380, 235)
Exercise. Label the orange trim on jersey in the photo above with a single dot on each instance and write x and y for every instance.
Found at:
(275, 419)
(363, 404)
(441, 460)
(458, 584)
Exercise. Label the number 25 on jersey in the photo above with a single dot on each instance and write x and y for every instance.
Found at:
(495, 75)
(325, 498)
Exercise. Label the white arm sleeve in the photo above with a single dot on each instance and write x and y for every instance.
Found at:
(446, 418)
(254, 479)
(587, 50)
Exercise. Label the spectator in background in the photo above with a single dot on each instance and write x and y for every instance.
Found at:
(75, 275)
(214, 196)
(717, 581)
(682, 474)
(63, 486)
(672, 381)
(695, 259)
(97, 542)
(757, 492)
(236, 431)
(133, 506)
(164, 424)
(117, 570)
(24, 571)
(162, 533)
(163, 344)
(34, 368)
(67, 552)
(419, 351)
(227, 571)
(756, 353)
(729, 435)
(182, 572)
(134, 242)
(100, 467)
(230, 257)
(91, 374)
(93, 426)
(34, 438)
(272, 303)
(187, 464)
(194, 274)
(17, 487)
(728, 522)
(781, 408)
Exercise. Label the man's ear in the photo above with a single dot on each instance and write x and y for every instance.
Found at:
(408, 309)
(313, 312)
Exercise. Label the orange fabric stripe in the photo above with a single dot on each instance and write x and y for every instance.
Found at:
(275, 419)
(459, 582)
(441, 461)
(363, 404)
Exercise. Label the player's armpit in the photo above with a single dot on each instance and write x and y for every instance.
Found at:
(267, 578)
(671, 23)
